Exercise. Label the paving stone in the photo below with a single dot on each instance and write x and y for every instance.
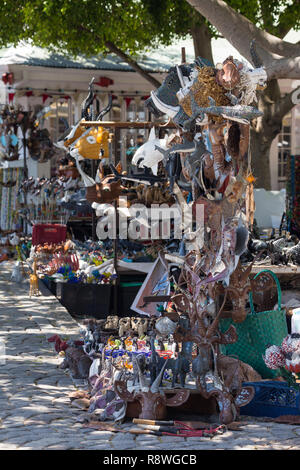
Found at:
(120, 437)
(96, 446)
(124, 445)
(60, 446)
(42, 443)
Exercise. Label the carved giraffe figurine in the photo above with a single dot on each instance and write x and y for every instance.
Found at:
(34, 282)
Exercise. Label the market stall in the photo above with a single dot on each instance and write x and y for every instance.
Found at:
(195, 335)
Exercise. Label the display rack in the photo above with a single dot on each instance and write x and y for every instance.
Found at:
(115, 125)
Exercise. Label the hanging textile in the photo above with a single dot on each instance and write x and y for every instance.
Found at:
(9, 198)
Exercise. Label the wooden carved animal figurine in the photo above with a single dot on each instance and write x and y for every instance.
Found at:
(34, 282)
(105, 189)
(140, 325)
(124, 326)
(141, 366)
(153, 402)
(112, 322)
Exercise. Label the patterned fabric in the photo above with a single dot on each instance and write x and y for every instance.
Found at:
(9, 198)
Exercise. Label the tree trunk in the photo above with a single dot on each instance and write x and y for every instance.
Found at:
(266, 130)
(202, 41)
(260, 146)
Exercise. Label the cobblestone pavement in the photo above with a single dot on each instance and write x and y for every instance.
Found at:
(35, 411)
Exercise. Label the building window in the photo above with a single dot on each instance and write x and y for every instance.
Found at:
(61, 117)
(284, 150)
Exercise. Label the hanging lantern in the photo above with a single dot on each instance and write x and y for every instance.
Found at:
(128, 101)
(8, 78)
(45, 96)
(104, 81)
(5, 78)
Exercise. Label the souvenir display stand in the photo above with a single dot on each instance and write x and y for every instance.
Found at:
(112, 127)
(200, 325)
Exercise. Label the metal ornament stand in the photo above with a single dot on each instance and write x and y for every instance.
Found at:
(114, 125)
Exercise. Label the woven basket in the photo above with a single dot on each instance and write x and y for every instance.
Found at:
(259, 331)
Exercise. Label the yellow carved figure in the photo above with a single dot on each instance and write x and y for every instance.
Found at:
(34, 282)
(93, 145)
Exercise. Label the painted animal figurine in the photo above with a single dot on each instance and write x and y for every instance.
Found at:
(147, 155)
(34, 282)
(124, 326)
(140, 325)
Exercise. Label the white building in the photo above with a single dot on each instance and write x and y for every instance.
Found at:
(41, 77)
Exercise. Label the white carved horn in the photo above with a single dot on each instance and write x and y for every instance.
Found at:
(155, 386)
(171, 111)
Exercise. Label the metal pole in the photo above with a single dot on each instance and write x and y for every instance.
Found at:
(94, 219)
(25, 176)
(115, 245)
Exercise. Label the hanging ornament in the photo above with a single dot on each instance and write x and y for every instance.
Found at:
(45, 96)
(5, 78)
(11, 97)
(128, 101)
(104, 82)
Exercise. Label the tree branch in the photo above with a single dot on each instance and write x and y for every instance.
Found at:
(286, 103)
(239, 31)
(202, 41)
(114, 49)
(125, 57)
(284, 68)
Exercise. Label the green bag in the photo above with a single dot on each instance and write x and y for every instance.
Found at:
(259, 331)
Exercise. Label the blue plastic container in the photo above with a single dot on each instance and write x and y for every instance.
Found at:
(272, 399)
